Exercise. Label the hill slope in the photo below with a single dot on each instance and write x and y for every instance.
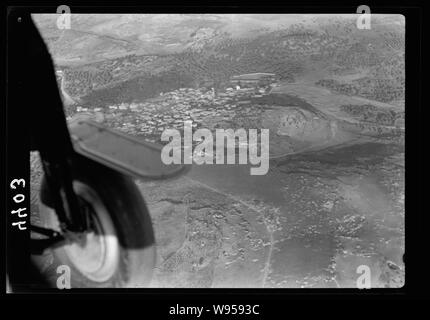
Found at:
(116, 58)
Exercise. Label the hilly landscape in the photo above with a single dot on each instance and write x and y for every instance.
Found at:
(333, 198)
(109, 59)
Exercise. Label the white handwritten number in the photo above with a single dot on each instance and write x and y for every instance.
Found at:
(17, 181)
(18, 198)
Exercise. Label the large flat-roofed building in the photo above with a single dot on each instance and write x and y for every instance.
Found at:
(253, 79)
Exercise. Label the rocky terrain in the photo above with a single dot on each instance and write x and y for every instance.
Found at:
(333, 199)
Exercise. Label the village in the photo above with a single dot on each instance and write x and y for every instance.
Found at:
(211, 109)
(330, 198)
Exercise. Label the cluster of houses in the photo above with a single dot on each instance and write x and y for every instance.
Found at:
(171, 109)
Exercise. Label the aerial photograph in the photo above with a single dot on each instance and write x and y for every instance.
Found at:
(320, 101)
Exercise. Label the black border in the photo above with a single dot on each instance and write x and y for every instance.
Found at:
(416, 275)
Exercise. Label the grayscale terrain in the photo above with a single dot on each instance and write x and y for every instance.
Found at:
(333, 198)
